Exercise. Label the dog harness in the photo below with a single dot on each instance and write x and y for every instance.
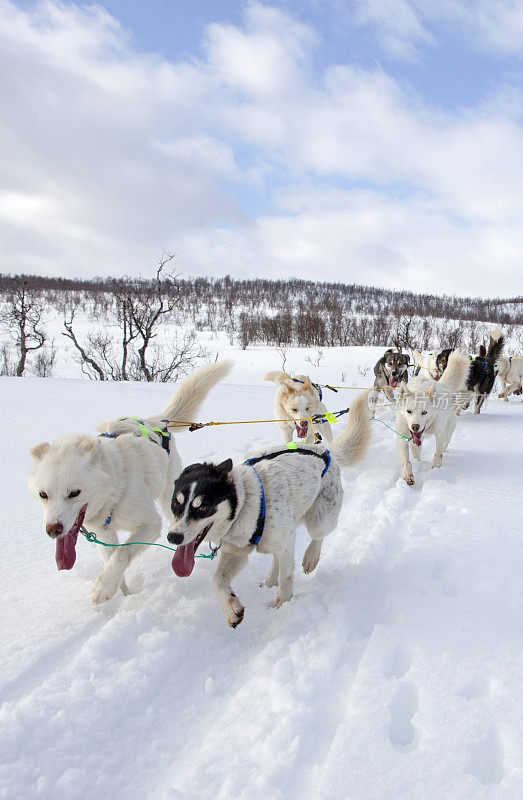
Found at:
(145, 430)
(260, 523)
(318, 388)
(485, 362)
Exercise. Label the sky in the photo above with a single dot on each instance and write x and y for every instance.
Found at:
(367, 141)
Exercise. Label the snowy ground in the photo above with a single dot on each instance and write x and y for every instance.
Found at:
(395, 673)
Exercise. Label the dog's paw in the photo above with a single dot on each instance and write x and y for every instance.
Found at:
(311, 556)
(280, 601)
(234, 612)
(105, 586)
(409, 480)
(269, 582)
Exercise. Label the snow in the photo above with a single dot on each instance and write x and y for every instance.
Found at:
(395, 671)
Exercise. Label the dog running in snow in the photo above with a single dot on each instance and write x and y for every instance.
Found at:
(390, 371)
(481, 377)
(427, 363)
(297, 399)
(111, 481)
(426, 407)
(509, 370)
(260, 503)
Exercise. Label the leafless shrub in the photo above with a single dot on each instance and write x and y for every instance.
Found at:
(282, 352)
(44, 361)
(7, 365)
(315, 360)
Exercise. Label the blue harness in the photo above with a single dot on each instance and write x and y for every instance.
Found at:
(260, 523)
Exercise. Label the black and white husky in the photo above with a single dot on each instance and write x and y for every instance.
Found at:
(482, 374)
(260, 503)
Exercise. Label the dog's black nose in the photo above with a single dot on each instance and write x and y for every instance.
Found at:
(54, 529)
(175, 538)
(414, 427)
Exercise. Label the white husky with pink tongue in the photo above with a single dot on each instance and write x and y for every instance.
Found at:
(427, 407)
(296, 400)
(111, 482)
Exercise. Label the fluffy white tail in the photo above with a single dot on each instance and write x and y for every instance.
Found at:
(455, 376)
(351, 445)
(192, 391)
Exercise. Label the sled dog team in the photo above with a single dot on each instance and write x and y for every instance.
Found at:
(112, 481)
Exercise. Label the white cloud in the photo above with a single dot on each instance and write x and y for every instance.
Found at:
(403, 26)
(111, 156)
(398, 24)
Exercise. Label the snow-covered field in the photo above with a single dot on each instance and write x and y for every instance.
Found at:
(395, 673)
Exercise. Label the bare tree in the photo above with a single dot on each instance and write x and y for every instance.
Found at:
(20, 316)
(86, 354)
(133, 352)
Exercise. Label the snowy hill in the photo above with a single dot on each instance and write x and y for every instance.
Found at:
(395, 672)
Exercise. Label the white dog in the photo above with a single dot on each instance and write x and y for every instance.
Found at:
(296, 400)
(509, 370)
(427, 363)
(111, 481)
(426, 407)
(260, 503)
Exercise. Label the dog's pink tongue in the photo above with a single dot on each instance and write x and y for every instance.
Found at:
(393, 381)
(416, 438)
(66, 551)
(183, 560)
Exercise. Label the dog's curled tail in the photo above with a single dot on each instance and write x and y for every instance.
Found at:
(495, 348)
(455, 375)
(351, 445)
(193, 390)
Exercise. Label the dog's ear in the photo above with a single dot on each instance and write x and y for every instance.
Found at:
(87, 445)
(482, 351)
(225, 466)
(403, 390)
(39, 450)
(307, 383)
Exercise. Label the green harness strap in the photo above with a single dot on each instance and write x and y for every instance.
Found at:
(91, 537)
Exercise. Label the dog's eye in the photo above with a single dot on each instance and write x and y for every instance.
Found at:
(295, 410)
(44, 495)
(409, 411)
(74, 493)
(424, 412)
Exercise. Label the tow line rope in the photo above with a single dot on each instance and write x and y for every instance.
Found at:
(408, 438)
(91, 537)
(316, 419)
